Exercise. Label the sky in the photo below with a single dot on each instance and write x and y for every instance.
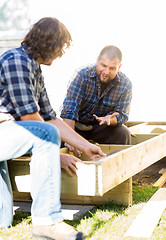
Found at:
(137, 27)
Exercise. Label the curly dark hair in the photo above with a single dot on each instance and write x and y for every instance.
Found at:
(46, 38)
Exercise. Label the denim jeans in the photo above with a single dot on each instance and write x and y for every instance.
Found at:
(42, 139)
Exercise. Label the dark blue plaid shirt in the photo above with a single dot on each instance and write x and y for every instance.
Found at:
(84, 97)
(22, 89)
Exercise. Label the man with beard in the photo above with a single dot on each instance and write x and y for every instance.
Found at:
(98, 100)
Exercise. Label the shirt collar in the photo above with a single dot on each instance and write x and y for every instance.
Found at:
(117, 78)
(35, 65)
(93, 72)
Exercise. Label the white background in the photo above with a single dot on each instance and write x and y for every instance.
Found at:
(137, 27)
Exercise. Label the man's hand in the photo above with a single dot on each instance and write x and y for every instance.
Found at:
(68, 135)
(68, 163)
(93, 152)
(107, 120)
(77, 152)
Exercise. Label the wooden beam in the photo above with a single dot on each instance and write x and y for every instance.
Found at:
(141, 137)
(138, 128)
(161, 181)
(135, 123)
(98, 177)
(130, 124)
(122, 194)
(146, 128)
(146, 221)
(95, 178)
(117, 168)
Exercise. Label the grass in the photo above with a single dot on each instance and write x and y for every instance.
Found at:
(109, 222)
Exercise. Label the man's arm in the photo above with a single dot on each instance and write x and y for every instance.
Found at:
(68, 162)
(70, 122)
(32, 117)
(68, 135)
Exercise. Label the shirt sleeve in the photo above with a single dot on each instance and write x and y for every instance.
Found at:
(20, 91)
(123, 104)
(19, 81)
(75, 95)
(46, 111)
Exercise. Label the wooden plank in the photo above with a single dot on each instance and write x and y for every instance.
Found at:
(23, 158)
(117, 168)
(146, 221)
(141, 137)
(138, 128)
(160, 182)
(19, 170)
(19, 174)
(98, 177)
(147, 129)
(82, 184)
(22, 196)
(122, 194)
(106, 148)
(95, 178)
(156, 123)
(133, 123)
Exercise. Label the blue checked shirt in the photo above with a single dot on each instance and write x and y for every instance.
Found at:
(84, 97)
(22, 89)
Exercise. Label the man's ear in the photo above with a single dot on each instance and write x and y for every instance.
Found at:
(119, 67)
(97, 60)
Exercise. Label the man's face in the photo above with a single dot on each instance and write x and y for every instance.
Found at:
(107, 69)
(48, 62)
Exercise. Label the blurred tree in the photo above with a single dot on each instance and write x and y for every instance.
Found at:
(14, 15)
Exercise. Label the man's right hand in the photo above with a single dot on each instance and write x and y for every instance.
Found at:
(77, 152)
(92, 151)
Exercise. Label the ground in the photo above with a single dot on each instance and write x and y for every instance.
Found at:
(151, 174)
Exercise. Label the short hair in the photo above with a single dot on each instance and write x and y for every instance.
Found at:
(46, 37)
(112, 52)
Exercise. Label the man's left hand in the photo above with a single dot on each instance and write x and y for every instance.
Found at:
(107, 120)
(68, 163)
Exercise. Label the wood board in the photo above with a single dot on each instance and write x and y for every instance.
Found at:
(148, 218)
(97, 179)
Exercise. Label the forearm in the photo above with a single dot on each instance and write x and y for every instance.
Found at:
(70, 122)
(32, 117)
(68, 135)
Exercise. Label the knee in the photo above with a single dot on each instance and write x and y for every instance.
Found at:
(125, 135)
(43, 130)
(52, 133)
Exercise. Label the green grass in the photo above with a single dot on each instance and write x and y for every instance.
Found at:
(109, 222)
(143, 193)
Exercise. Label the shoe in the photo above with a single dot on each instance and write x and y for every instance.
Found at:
(58, 231)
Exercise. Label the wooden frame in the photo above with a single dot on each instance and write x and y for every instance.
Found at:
(106, 179)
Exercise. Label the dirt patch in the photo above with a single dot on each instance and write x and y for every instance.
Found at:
(151, 174)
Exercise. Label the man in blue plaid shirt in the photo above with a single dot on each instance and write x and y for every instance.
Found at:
(29, 124)
(98, 100)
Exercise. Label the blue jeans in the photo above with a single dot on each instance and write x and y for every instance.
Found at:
(42, 139)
